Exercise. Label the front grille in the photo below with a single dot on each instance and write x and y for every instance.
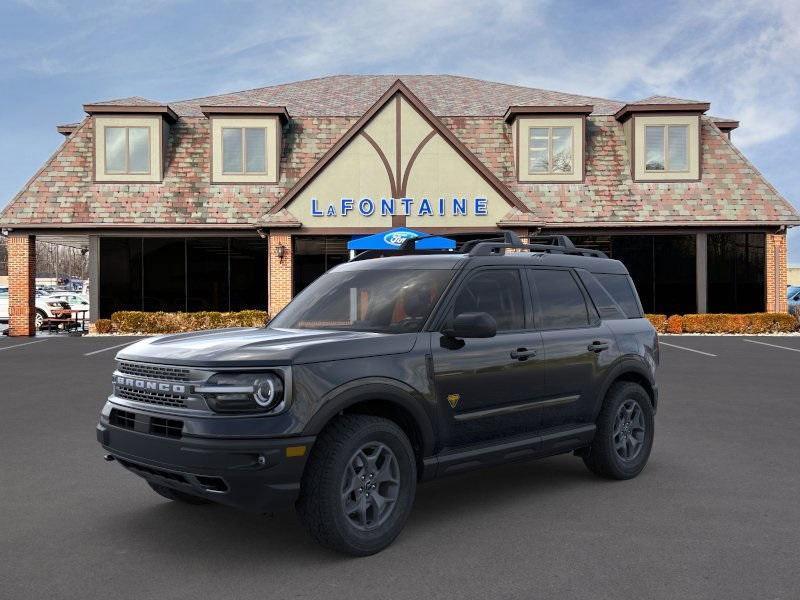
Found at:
(150, 397)
(155, 371)
(122, 418)
(170, 428)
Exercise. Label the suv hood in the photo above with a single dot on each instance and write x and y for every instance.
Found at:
(264, 346)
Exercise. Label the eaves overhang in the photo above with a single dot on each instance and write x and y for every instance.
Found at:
(131, 109)
(689, 108)
(221, 110)
(551, 110)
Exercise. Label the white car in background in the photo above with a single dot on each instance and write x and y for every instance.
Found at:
(46, 307)
(76, 301)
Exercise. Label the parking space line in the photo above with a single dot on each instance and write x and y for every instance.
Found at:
(771, 345)
(687, 349)
(20, 345)
(110, 348)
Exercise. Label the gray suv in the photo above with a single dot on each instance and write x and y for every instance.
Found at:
(390, 371)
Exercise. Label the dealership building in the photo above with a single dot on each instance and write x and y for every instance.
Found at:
(240, 200)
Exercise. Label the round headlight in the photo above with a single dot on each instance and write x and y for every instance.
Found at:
(264, 393)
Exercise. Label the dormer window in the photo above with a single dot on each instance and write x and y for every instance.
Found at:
(245, 143)
(244, 150)
(127, 150)
(550, 150)
(130, 140)
(548, 142)
(666, 148)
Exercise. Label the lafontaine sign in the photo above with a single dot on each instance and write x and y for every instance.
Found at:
(422, 207)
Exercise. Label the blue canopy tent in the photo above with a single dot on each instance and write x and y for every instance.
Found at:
(393, 238)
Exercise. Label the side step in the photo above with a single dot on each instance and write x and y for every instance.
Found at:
(458, 460)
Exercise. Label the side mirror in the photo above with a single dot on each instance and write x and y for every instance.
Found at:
(472, 325)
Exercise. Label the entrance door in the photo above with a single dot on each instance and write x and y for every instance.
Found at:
(486, 387)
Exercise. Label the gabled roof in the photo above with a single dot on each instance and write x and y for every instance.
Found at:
(665, 100)
(130, 101)
(398, 87)
(353, 95)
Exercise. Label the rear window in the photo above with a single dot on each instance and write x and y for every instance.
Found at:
(605, 304)
(621, 289)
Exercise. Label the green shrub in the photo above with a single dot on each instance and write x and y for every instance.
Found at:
(132, 321)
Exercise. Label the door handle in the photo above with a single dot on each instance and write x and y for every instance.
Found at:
(597, 346)
(522, 353)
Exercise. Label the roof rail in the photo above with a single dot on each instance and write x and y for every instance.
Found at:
(562, 245)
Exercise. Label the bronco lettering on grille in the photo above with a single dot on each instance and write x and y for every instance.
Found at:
(155, 386)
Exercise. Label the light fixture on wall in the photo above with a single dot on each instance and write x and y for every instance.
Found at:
(280, 252)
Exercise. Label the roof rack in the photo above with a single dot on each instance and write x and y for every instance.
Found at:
(560, 244)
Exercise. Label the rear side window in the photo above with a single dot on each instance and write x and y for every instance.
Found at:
(605, 304)
(497, 292)
(561, 302)
(622, 291)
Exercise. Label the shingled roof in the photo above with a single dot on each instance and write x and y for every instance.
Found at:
(731, 191)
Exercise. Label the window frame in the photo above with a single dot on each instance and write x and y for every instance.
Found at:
(592, 317)
(127, 170)
(440, 315)
(520, 133)
(243, 146)
(634, 129)
(550, 170)
(158, 134)
(665, 147)
(272, 148)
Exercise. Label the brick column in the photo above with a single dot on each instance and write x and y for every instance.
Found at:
(775, 273)
(21, 284)
(280, 271)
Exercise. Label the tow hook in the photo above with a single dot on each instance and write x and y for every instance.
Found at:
(108, 457)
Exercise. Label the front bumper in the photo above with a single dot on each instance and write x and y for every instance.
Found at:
(254, 474)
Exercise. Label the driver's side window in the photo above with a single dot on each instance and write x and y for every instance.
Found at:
(497, 292)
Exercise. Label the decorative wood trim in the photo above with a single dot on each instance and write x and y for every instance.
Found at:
(384, 160)
(412, 158)
(399, 87)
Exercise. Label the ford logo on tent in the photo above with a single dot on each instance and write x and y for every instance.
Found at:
(396, 238)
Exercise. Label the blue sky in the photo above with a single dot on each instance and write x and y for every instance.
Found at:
(56, 55)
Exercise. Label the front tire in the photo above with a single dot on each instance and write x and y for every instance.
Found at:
(359, 485)
(39, 318)
(624, 436)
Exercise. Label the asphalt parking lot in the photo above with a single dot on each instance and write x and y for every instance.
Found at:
(715, 514)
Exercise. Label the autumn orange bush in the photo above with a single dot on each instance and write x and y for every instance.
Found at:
(659, 322)
(132, 321)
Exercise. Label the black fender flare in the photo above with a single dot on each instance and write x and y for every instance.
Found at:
(627, 364)
(375, 388)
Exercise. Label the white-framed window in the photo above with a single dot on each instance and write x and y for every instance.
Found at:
(244, 150)
(127, 150)
(550, 151)
(666, 148)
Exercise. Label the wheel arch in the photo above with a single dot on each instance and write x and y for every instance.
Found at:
(386, 398)
(635, 372)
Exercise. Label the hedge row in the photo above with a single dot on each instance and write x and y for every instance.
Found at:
(131, 321)
(726, 323)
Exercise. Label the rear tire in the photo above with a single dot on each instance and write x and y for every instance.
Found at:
(359, 485)
(624, 436)
(39, 318)
(176, 495)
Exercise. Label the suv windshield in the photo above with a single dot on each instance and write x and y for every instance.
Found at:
(383, 301)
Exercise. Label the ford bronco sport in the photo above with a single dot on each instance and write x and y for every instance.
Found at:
(389, 371)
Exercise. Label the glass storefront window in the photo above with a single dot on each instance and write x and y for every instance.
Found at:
(663, 267)
(736, 272)
(180, 274)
